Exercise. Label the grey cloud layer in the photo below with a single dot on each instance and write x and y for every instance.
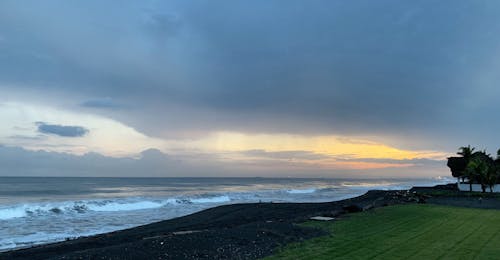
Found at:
(423, 69)
(62, 130)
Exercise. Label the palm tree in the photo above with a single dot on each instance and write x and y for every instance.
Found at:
(481, 171)
(466, 151)
(493, 176)
(476, 166)
(488, 175)
(472, 170)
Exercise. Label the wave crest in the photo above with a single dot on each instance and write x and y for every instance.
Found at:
(301, 191)
(80, 207)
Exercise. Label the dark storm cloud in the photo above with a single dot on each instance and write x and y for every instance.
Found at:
(62, 130)
(418, 69)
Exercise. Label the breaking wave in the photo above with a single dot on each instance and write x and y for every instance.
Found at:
(80, 207)
(218, 199)
(301, 191)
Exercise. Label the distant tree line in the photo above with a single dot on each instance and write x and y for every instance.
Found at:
(475, 167)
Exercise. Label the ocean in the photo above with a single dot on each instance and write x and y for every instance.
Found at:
(36, 210)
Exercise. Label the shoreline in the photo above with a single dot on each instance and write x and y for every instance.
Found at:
(235, 231)
(75, 208)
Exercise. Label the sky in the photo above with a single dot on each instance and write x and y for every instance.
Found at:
(320, 88)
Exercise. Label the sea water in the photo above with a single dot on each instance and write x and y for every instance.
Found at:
(41, 210)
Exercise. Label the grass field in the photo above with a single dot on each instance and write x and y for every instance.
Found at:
(405, 232)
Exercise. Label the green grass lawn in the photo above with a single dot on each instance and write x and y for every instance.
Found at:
(409, 232)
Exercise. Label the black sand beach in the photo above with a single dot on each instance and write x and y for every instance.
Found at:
(238, 231)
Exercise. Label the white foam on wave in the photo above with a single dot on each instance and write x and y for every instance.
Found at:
(23, 210)
(218, 199)
(37, 238)
(31, 239)
(368, 184)
(26, 210)
(123, 206)
(15, 212)
(301, 191)
(73, 207)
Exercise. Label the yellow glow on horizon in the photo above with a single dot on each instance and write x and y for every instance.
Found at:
(334, 146)
(365, 165)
